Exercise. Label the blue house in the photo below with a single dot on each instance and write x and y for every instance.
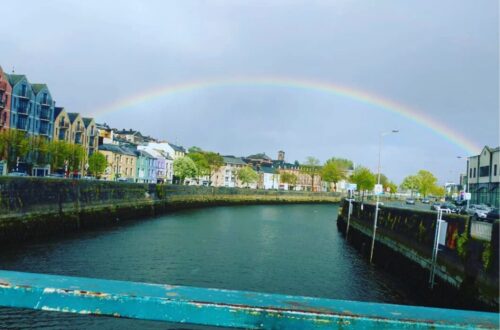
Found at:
(22, 104)
(44, 111)
(32, 107)
(145, 167)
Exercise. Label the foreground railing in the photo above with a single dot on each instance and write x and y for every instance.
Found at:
(216, 307)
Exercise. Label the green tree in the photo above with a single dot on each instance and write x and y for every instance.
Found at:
(364, 179)
(288, 178)
(195, 149)
(426, 182)
(311, 167)
(76, 157)
(97, 164)
(215, 161)
(184, 167)
(60, 152)
(393, 188)
(39, 148)
(334, 171)
(410, 183)
(201, 163)
(247, 175)
(342, 163)
(14, 144)
(438, 191)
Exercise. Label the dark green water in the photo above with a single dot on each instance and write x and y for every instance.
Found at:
(289, 249)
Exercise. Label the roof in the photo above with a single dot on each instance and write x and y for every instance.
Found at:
(128, 132)
(267, 169)
(283, 165)
(117, 149)
(57, 111)
(102, 126)
(15, 78)
(38, 87)
(260, 156)
(72, 116)
(233, 160)
(143, 153)
(177, 148)
(87, 121)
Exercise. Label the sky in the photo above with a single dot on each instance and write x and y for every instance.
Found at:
(439, 58)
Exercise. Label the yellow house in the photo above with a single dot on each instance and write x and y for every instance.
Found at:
(122, 162)
(61, 125)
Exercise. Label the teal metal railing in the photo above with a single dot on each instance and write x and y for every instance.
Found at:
(215, 307)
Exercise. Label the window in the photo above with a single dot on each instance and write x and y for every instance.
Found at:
(495, 170)
(474, 172)
(484, 171)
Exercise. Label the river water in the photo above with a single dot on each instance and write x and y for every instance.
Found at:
(288, 249)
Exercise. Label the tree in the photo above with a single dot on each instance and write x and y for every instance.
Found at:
(184, 167)
(288, 178)
(201, 163)
(14, 144)
(312, 168)
(342, 162)
(76, 157)
(438, 191)
(364, 179)
(195, 149)
(39, 150)
(334, 171)
(97, 164)
(410, 183)
(426, 182)
(393, 188)
(247, 175)
(215, 161)
(60, 152)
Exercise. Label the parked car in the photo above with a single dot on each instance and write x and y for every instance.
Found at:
(435, 206)
(17, 174)
(449, 207)
(56, 176)
(492, 215)
(426, 200)
(478, 210)
(410, 201)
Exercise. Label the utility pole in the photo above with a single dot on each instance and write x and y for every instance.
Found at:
(378, 194)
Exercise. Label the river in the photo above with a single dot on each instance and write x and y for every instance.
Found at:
(288, 249)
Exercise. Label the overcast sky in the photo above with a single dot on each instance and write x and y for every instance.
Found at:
(440, 57)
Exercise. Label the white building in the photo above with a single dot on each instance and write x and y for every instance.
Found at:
(483, 176)
(269, 178)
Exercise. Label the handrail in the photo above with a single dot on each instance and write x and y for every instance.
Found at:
(217, 307)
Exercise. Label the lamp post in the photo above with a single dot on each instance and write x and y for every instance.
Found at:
(467, 182)
(378, 183)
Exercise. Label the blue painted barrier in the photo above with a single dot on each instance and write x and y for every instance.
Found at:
(217, 307)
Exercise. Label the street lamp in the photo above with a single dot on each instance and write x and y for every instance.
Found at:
(381, 135)
(467, 182)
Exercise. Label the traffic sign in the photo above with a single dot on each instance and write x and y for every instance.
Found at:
(352, 186)
(467, 196)
(379, 189)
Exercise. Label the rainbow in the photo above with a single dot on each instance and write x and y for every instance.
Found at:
(360, 96)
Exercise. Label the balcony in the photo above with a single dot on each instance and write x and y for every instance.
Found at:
(22, 108)
(45, 114)
(63, 125)
(44, 130)
(78, 138)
